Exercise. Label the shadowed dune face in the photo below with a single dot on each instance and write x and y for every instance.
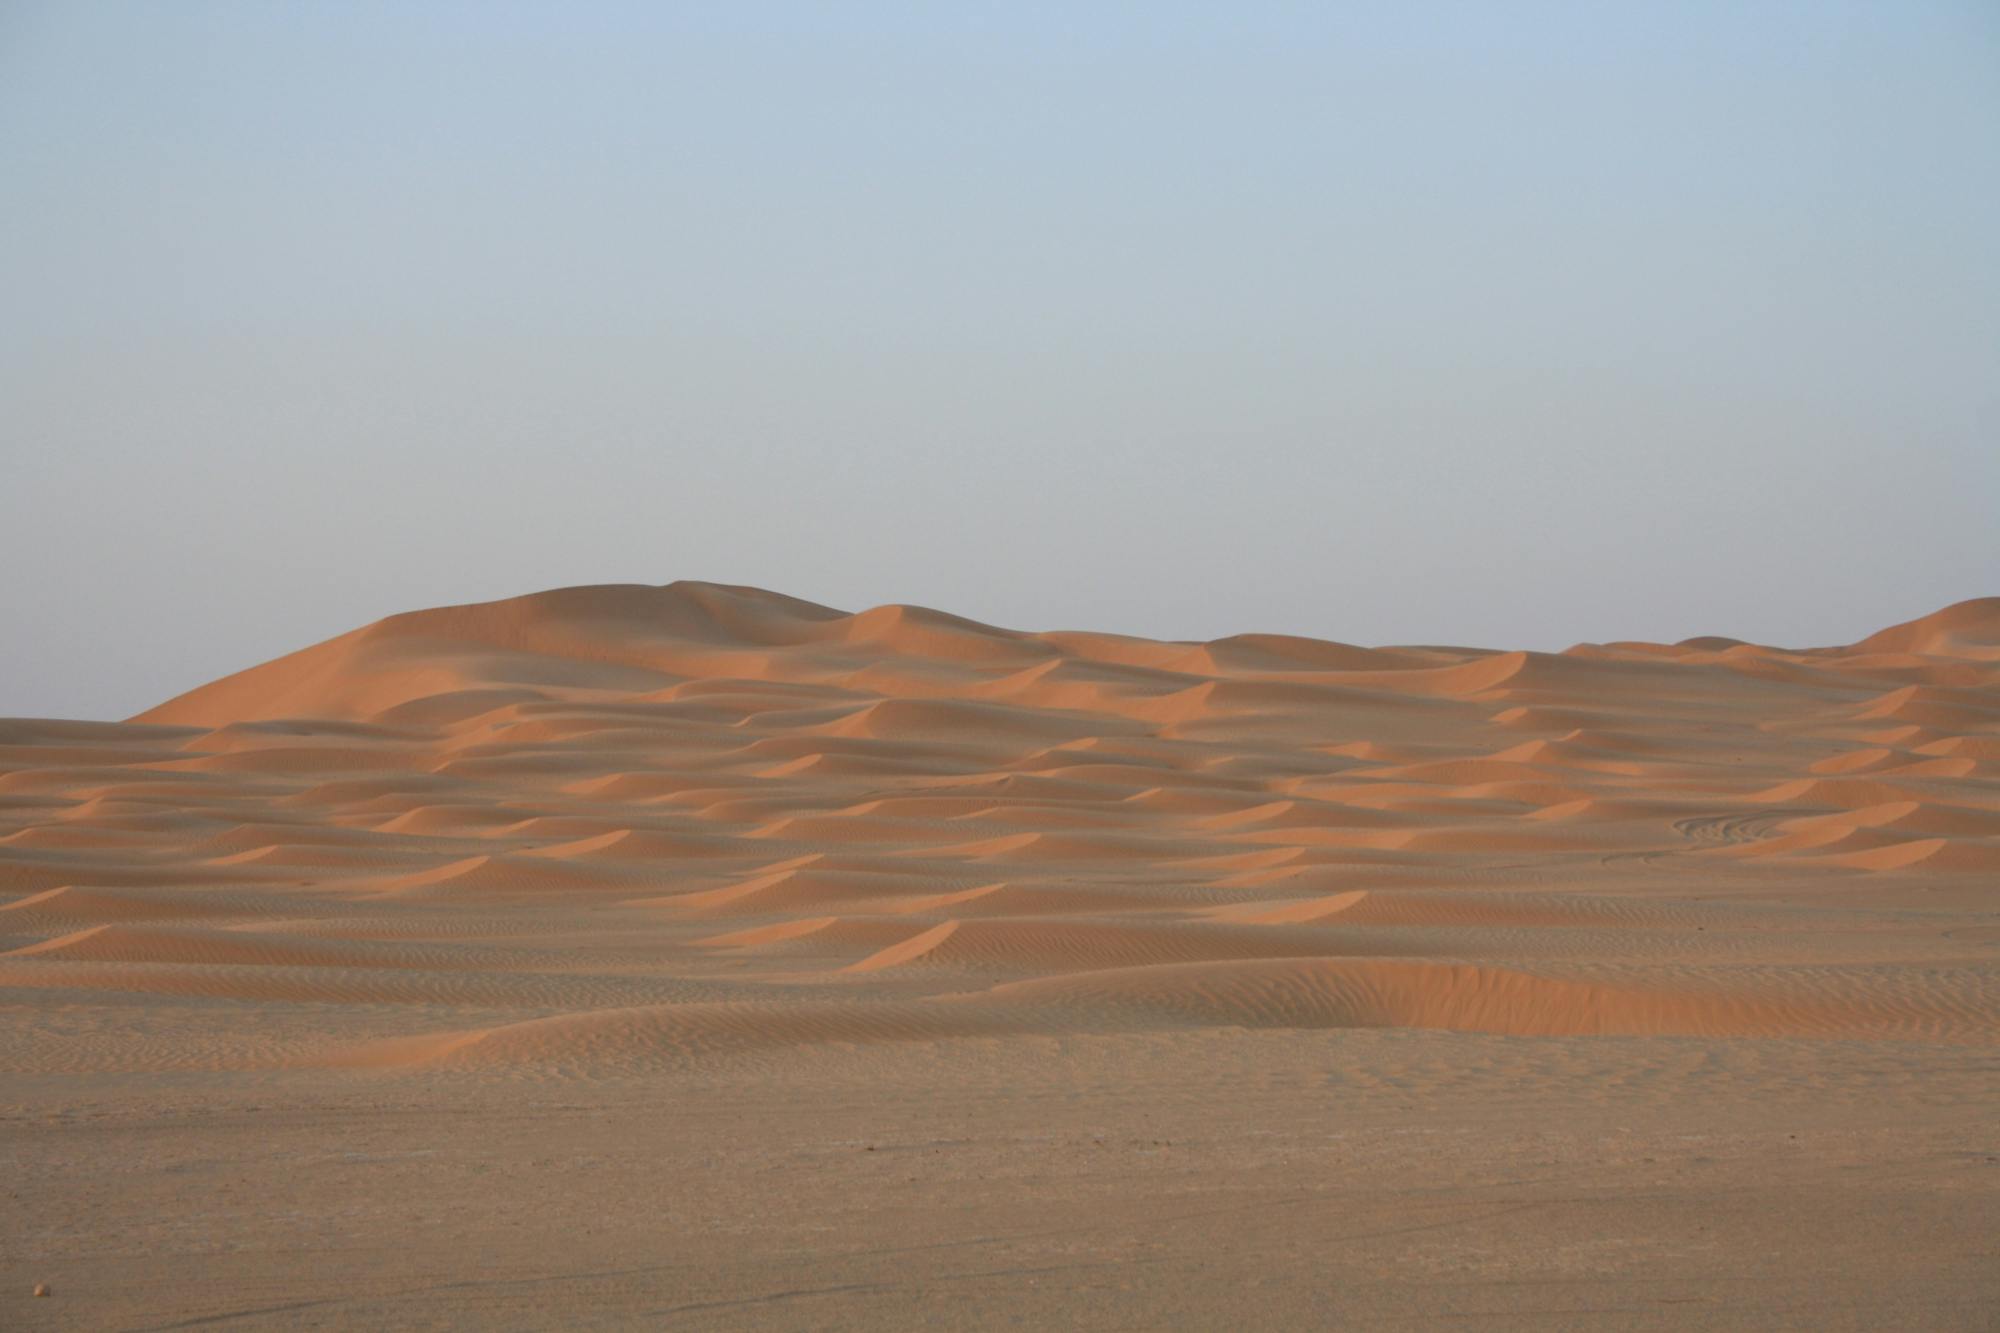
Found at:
(606, 830)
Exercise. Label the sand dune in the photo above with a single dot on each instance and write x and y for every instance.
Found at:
(1291, 993)
(708, 846)
(1054, 832)
(1967, 630)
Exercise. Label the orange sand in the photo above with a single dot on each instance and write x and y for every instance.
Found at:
(750, 855)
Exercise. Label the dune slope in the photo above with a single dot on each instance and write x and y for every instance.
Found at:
(699, 956)
(541, 829)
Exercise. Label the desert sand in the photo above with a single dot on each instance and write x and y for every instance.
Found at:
(697, 956)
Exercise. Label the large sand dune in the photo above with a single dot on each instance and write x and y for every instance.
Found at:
(705, 837)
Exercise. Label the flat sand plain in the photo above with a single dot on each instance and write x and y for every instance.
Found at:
(701, 957)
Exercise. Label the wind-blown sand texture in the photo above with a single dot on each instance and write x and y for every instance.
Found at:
(699, 954)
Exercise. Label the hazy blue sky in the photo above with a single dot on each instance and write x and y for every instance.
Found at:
(1511, 324)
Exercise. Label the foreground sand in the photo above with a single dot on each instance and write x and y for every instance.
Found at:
(696, 955)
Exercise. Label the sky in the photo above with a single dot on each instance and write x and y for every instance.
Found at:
(1507, 325)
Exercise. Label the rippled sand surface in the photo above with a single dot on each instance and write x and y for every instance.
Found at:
(701, 956)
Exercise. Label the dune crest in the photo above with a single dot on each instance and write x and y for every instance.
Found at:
(623, 825)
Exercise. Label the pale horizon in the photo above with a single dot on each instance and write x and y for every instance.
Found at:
(1512, 329)
(897, 666)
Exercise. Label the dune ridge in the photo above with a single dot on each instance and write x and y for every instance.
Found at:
(611, 829)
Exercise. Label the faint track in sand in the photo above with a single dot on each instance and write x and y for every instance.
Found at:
(1734, 830)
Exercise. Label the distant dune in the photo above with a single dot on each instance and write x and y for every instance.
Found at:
(568, 958)
(799, 826)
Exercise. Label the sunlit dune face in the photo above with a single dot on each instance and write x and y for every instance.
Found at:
(623, 828)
